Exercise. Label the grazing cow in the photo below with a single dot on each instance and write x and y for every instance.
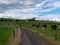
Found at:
(54, 27)
(35, 25)
(44, 26)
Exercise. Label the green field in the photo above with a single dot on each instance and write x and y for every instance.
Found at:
(46, 34)
(5, 33)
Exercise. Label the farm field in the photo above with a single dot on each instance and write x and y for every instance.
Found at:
(47, 34)
(5, 33)
(51, 36)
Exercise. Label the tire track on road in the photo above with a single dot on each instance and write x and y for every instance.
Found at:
(25, 39)
(29, 38)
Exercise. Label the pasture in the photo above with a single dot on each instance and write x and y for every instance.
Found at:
(53, 36)
(47, 34)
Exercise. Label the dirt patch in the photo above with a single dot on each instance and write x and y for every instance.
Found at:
(15, 39)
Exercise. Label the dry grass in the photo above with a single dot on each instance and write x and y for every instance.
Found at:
(17, 39)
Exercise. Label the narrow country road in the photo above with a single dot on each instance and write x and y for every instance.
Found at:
(25, 39)
(28, 38)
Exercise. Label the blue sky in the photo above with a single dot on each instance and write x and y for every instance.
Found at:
(24, 9)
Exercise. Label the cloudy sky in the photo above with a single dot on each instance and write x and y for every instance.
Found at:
(24, 9)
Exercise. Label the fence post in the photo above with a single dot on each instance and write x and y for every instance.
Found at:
(14, 33)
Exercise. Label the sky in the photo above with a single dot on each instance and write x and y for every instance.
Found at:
(27, 9)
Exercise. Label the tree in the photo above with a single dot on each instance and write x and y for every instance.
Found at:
(31, 19)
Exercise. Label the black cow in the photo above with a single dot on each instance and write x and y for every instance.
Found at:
(35, 25)
(54, 27)
(44, 26)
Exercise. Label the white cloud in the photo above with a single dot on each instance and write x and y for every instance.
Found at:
(51, 6)
(35, 5)
(40, 4)
(28, 2)
(57, 4)
(24, 9)
(47, 6)
(7, 1)
(49, 17)
(17, 15)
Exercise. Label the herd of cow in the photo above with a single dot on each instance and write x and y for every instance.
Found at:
(53, 27)
(44, 26)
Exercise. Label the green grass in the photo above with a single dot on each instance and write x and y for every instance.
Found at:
(47, 33)
(5, 33)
